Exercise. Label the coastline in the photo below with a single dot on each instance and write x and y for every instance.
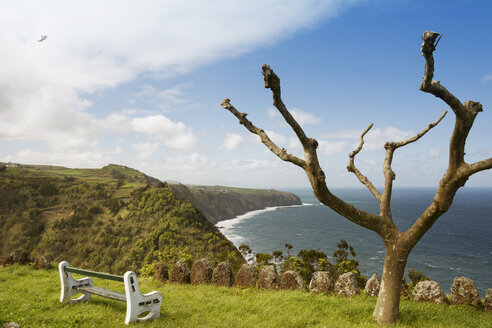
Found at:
(225, 226)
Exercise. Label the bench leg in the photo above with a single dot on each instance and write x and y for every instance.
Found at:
(136, 303)
(68, 283)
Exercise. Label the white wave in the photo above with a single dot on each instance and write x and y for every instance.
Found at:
(431, 266)
(227, 224)
(232, 222)
(235, 238)
(227, 227)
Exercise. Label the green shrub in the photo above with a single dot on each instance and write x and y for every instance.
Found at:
(343, 264)
(48, 189)
(114, 205)
(415, 278)
(95, 209)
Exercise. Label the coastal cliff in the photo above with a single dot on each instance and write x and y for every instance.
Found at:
(218, 203)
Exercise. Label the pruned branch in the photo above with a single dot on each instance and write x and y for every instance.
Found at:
(465, 113)
(420, 134)
(389, 174)
(281, 153)
(272, 82)
(434, 87)
(458, 171)
(352, 168)
(486, 164)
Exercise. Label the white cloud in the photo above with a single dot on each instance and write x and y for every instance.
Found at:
(60, 119)
(146, 90)
(345, 134)
(145, 149)
(174, 94)
(481, 153)
(175, 135)
(294, 145)
(272, 112)
(435, 153)
(87, 159)
(168, 99)
(304, 118)
(251, 164)
(278, 138)
(231, 141)
(374, 139)
(117, 122)
(190, 163)
(487, 78)
(330, 148)
(117, 150)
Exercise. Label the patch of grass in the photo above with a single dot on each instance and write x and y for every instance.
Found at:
(30, 298)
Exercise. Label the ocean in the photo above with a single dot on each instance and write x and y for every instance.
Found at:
(458, 244)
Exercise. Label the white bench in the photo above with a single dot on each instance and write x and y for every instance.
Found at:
(136, 302)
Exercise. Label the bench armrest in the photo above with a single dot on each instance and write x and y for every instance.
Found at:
(68, 283)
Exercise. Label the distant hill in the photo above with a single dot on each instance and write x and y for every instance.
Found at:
(111, 219)
(220, 203)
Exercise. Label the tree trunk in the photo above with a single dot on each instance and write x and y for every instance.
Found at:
(387, 306)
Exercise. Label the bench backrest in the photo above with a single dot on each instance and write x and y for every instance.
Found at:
(95, 274)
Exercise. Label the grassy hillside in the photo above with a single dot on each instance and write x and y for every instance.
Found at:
(209, 306)
(111, 219)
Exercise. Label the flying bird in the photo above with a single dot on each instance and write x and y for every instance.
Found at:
(43, 37)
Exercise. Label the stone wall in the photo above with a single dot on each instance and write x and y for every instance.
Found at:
(463, 290)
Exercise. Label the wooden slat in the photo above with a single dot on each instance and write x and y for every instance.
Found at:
(102, 292)
(95, 274)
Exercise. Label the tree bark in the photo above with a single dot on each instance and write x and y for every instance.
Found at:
(388, 303)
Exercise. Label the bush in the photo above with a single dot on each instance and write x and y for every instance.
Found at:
(48, 189)
(306, 263)
(309, 261)
(115, 174)
(415, 278)
(114, 205)
(95, 209)
(343, 264)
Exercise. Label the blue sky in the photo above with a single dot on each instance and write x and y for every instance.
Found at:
(140, 84)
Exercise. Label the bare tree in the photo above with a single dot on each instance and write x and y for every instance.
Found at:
(398, 244)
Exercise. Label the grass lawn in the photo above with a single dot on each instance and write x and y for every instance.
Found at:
(31, 298)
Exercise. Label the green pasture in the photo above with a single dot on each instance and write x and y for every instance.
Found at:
(30, 298)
